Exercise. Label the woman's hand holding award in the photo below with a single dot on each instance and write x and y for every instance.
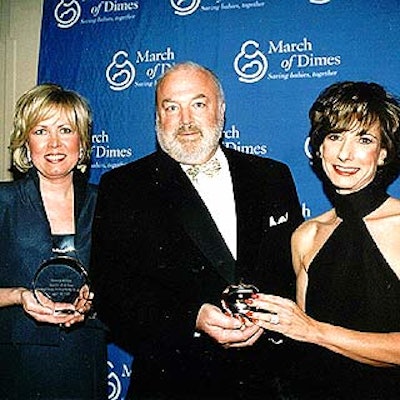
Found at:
(63, 280)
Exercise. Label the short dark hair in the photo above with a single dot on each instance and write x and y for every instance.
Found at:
(346, 105)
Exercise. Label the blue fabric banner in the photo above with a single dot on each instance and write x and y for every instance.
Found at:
(273, 58)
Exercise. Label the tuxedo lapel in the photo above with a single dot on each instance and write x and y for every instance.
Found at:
(200, 226)
(247, 200)
(189, 209)
(251, 207)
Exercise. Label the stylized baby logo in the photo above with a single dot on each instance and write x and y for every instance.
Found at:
(120, 73)
(182, 9)
(114, 383)
(67, 13)
(250, 64)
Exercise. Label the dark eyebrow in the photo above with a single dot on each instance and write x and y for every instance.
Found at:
(359, 133)
(365, 132)
(369, 134)
(337, 130)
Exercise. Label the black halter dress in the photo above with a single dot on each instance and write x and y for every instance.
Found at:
(351, 285)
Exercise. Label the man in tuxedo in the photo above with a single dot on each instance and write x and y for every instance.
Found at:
(168, 238)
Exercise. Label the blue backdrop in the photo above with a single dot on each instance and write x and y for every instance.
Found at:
(273, 58)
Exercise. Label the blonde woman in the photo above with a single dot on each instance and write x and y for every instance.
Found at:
(46, 354)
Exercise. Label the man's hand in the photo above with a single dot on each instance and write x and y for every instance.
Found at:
(227, 330)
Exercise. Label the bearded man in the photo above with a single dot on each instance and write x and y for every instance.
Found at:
(174, 229)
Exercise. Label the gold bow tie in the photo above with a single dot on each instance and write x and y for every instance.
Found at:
(210, 168)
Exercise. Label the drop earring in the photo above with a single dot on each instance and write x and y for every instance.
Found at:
(28, 156)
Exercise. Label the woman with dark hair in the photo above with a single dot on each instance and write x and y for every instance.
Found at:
(347, 260)
(50, 347)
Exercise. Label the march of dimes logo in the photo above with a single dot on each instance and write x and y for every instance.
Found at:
(183, 7)
(120, 73)
(118, 379)
(138, 70)
(122, 69)
(232, 140)
(282, 61)
(250, 63)
(114, 383)
(67, 13)
(188, 7)
(124, 72)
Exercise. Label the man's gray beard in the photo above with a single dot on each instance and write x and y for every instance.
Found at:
(196, 155)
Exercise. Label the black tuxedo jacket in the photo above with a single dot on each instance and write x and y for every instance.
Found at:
(158, 256)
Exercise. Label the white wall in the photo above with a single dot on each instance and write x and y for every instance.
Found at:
(20, 22)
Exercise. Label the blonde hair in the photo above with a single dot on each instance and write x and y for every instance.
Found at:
(40, 103)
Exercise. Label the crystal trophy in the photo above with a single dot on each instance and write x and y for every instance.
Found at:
(234, 296)
(60, 279)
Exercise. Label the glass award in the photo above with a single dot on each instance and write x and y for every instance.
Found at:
(60, 279)
(234, 296)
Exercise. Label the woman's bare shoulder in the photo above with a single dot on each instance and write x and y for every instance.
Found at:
(310, 228)
(310, 236)
(389, 211)
(392, 206)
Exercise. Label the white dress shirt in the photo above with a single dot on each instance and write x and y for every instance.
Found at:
(217, 194)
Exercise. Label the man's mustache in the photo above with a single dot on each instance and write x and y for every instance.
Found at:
(188, 128)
